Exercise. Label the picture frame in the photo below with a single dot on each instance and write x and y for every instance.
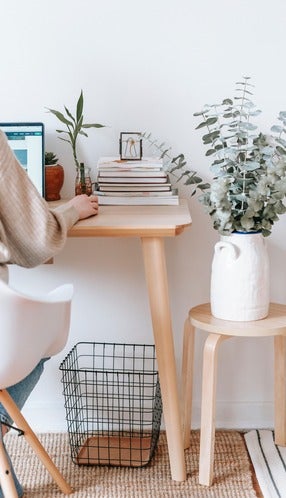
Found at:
(130, 146)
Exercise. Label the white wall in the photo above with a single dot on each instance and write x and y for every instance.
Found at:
(144, 66)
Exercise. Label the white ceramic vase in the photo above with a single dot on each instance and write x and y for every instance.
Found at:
(240, 278)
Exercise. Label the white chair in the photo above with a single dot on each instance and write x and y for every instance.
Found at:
(32, 328)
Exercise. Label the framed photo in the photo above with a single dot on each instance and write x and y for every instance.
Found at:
(130, 146)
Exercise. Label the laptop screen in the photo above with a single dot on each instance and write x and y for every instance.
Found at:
(27, 142)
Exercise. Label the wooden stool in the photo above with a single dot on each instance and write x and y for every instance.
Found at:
(201, 318)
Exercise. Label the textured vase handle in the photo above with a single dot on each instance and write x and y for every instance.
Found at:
(232, 250)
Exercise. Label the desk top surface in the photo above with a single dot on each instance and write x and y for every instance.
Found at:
(134, 221)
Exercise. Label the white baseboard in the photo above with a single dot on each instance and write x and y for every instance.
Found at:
(47, 417)
(239, 415)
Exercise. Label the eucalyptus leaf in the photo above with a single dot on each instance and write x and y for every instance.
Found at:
(201, 125)
(210, 152)
(276, 129)
(251, 166)
(280, 150)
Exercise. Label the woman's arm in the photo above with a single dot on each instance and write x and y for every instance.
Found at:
(31, 231)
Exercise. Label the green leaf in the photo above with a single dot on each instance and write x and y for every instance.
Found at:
(201, 125)
(276, 129)
(251, 166)
(192, 180)
(210, 152)
(65, 140)
(82, 133)
(164, 153)
(281, 141)
(180, 157)
(281, 150)
(79, 107)
(93, 125)
(69, 114)
(199, 113)
(60, 116)
(210, 137)
(209, 121)
(61, 131)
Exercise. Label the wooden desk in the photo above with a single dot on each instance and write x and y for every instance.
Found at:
(152, 224)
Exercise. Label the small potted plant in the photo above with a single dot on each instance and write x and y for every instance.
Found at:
(74, 128)
(54, 177)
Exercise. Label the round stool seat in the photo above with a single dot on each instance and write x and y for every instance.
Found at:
(273, 324)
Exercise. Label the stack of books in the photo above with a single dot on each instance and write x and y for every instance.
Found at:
(139, 182)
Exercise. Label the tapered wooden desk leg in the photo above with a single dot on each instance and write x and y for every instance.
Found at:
(187, 380)
(207, 438)
(280, 389)
(6, 479)
(34, 442)
(156, 277)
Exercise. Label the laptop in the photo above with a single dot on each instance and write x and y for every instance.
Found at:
(27, 142)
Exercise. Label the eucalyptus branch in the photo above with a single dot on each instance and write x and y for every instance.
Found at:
(176, 165)
(249, 167)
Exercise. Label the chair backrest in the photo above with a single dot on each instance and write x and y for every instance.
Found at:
(31, 328)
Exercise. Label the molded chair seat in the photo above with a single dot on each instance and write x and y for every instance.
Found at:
(32, 328)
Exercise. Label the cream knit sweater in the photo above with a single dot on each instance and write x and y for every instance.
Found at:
(30, 232)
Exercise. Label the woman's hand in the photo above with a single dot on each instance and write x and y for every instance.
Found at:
(85, 205)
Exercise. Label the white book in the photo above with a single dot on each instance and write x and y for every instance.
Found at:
(143, 173)
(113, 169)
(113, 161)
(135, 187)
(106, 200)
(139, 193)
(132, 179)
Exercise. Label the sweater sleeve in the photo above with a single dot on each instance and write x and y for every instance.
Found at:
(31, 232)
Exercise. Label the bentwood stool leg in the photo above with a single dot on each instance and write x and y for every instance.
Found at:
(187, 379)
(280, 389)
(207, 438)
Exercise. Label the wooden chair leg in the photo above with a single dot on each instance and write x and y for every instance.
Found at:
(34, 442)
(6, 478)
(280, 389)
(207, 437)
(187, 380)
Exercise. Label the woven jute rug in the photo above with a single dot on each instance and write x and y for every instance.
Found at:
(232, 471)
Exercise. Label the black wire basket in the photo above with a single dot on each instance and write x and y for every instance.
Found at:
(113, 403)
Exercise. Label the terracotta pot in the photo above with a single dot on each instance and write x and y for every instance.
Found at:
(54, 179)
